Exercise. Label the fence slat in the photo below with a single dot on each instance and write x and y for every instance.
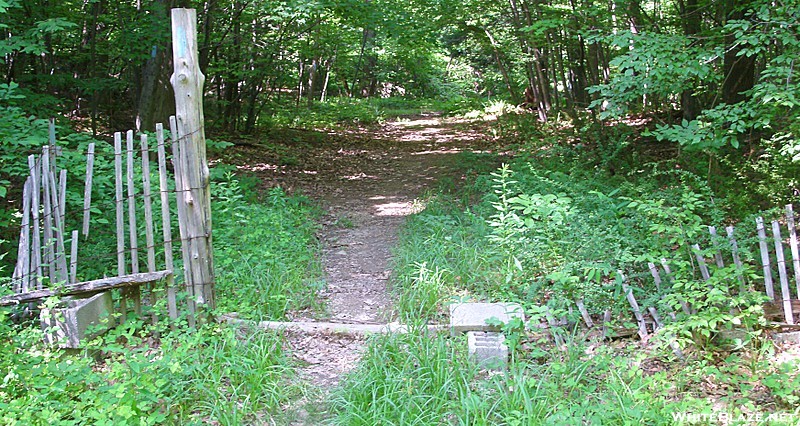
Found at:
(584, 313)
(736, 260)
(87, 189)
(121, 267)
(655, 274)
(36, 247)
(73, 259)
(62, 196)
(762, 244)
(793, 246)
(781, 261)
(676, 349)
(606, 322)
(60, 258)
(657, 279)
(715, 239)
(48, 241)
(148, 206)
(701, 262)
(148, 217)
(634, 306)
(22, 272)
(132, 234)
(133, 293)
(166, 223)
(176, 162)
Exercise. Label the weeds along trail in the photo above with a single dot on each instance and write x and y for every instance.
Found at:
(367, 182)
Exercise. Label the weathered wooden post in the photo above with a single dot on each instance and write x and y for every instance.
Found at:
(194, 195)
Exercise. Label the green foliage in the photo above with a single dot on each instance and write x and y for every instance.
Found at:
(207, 375)
(424, 374)
(653, 66)
(579, 384)
(266, 253)
(420, 296)
(773, 104)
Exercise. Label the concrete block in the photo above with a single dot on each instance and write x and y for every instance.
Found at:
(472, 316)
(792, 337)
(66, 326)
(488, 349)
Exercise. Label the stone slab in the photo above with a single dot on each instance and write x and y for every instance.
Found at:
(792, 337)
(488, 349)
(66, 326)
(466, 317)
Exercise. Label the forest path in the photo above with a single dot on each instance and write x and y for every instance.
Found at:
(367, 181)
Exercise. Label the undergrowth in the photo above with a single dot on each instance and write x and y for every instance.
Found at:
(208, 375)
(265, 251)
(425, 379)
(564, 221)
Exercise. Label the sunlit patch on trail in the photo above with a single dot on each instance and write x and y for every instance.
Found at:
(438, 151)
(399, 208)
(359, 176)
(259, 167)
(352, 151)
(417, 123)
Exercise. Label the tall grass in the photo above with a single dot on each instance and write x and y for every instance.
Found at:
(416, 378)
(201, 376)
(265, 252)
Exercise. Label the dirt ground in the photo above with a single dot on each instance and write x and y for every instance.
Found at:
(368, 181)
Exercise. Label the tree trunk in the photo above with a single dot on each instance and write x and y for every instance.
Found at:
(690, 14)
(739, 70)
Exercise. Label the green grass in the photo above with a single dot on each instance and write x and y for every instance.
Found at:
(416, 378)
(424, 379)
(554, 225)
(266, 252)
(266, 263)
(211, 374)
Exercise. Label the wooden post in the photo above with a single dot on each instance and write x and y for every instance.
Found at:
(47, 219)
(194, 193)
(119, 202)
(794, 247)
(718, 255)
(87, 190)
(166, 224)
(762, 243)
(73, 259)
(786, 296)
(148, 206)
(23, 270)
(182, 221)
(701, 262)
(584, 313)
(637, 312)
(736, 260)
(134, 293)
(36, 247)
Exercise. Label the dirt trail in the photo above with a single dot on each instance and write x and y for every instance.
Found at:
(367, 182)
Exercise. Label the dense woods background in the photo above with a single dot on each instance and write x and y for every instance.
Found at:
(106, 63)
(711, 77)
(626, 128)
